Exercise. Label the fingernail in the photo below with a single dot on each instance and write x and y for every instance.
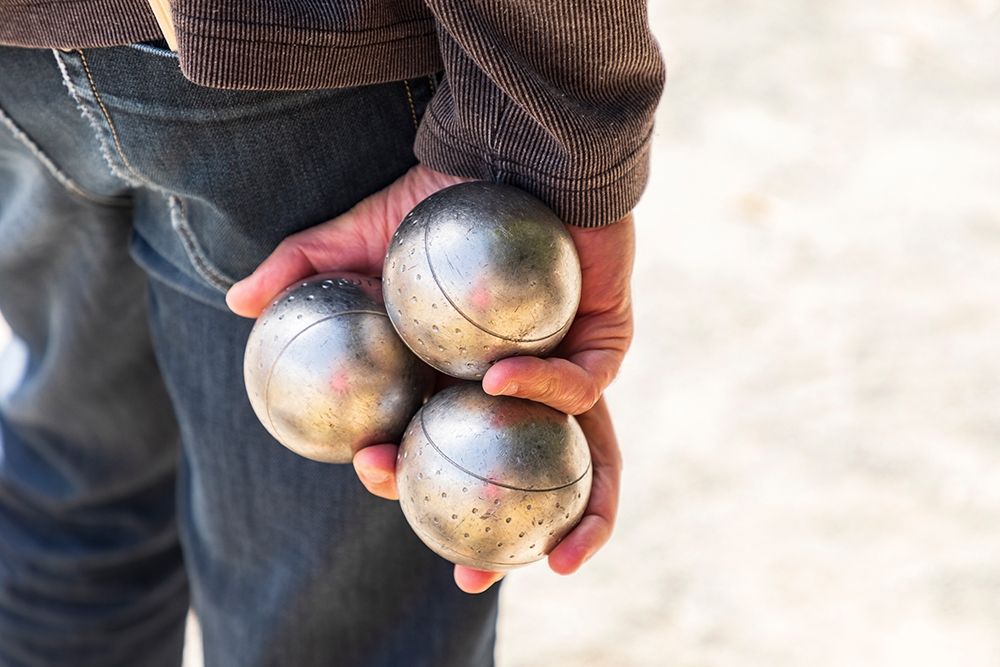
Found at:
(373, 475)
(510, 389)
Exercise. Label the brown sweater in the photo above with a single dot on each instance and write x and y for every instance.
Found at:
(554, 96)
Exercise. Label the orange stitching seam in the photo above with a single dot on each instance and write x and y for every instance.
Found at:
(413, 110)
(107, 115)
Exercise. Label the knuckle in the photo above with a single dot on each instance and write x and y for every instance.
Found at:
(287, 248)
(587, 398)
(287, 243)
(549, 387)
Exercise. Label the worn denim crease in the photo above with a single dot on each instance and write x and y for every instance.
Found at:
(178, 215)
(208, 271)
(68, 183)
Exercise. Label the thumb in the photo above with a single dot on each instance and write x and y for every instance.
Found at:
(326, 247)
(353, 242)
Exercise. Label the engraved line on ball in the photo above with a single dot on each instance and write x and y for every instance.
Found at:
(423, 427)
(277, 357)
(430, 265)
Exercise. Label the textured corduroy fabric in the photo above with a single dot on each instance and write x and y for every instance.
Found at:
(75, 23)
(553, 96)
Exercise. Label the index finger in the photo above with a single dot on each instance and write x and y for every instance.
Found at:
(570, 385)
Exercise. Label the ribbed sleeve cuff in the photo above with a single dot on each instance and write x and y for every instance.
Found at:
(592, 200)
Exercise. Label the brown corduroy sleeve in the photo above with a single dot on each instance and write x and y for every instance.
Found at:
(554, 97)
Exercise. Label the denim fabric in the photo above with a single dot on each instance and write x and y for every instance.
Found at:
(133, 472)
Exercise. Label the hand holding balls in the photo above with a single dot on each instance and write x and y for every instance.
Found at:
(475, 273)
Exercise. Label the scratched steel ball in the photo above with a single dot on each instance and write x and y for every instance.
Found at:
(478, 272)
(326, 373)
(492, 482)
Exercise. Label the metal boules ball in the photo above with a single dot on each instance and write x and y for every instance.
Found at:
(492, 482)
(478, 272)
(326, 373)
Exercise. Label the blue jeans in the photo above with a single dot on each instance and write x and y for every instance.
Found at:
(134, 475)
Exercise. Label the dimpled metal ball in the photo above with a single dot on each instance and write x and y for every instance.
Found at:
(478, 272)
(492, 482)
(326, 373)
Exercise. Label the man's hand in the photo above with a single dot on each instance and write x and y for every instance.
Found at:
(572, 381)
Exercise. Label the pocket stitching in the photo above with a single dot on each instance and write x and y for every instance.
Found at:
(413, 109)
(192, 248)
(107, 115)
(100, 134)
(178, 215)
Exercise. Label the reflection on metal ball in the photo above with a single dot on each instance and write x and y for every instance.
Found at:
(326, 373)
(478, 272)
(492, 482)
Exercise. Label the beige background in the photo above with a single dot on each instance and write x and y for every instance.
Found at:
(811, 411)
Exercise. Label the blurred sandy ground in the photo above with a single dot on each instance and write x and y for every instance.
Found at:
(811, 412)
